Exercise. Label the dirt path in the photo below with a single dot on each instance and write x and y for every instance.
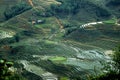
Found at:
(61, 27)
(59, 23)
(31, 3)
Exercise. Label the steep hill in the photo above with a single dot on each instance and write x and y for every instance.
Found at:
(58, 38)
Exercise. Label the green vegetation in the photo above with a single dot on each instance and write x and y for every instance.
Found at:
(15, 38)
(116, 58)
(58, 59)
(67, 7)
(64, 78)
(15, 10)
(110, 21)
(114, 72)
(6, 73)
(7, 41)
(58, 35)
(114, 2)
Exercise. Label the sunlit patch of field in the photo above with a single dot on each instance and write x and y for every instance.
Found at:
(58, 59)
(109, 21)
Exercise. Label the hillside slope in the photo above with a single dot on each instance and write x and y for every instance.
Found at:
(54, 36)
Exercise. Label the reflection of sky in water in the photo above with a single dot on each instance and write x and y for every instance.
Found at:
(84, 64)
(87, 60)
(91, 54)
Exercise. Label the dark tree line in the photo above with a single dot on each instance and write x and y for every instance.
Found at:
(74, 6)
(67, 6)
(16, 10)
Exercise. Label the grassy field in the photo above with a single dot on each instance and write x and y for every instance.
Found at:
(58, 59)
(112, 21)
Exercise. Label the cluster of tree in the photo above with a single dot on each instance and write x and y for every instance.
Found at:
(15, 10)
(67, 6)
(74, 6)
(115, 2)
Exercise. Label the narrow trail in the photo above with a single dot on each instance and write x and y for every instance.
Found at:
(35, 7)
(59, 23)
(109, 40)
(31, 3)
(61, 28)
